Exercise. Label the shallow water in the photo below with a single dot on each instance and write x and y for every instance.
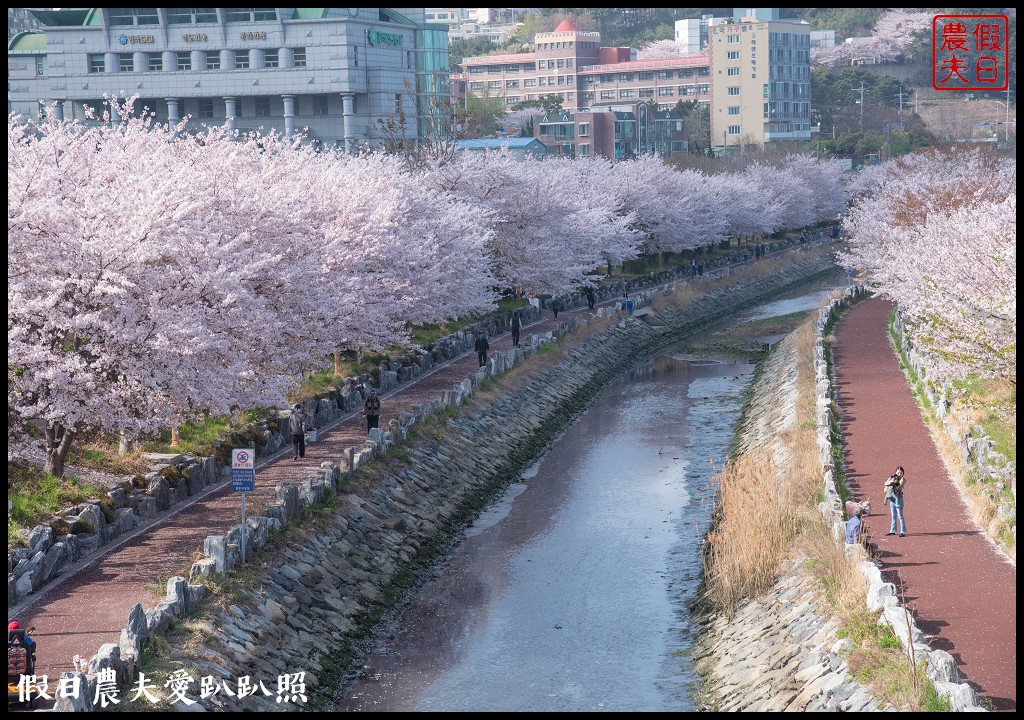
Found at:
(570, 592)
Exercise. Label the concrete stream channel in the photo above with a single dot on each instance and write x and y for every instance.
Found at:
(570, 591)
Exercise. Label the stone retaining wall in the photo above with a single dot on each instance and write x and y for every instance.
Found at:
(315, 593)
(777, 653)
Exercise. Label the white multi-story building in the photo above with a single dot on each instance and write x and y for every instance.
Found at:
(331, 73)
(760, 82)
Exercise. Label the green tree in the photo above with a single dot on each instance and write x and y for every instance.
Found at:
(697, 124)
(550, 103)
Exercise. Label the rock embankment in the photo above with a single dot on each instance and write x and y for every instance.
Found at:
(313, 596)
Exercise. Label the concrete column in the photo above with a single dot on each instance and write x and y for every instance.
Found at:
(140, 61)
(170, 60)
(58, 110)
(230, 113)
(198, 60)
(289, 115)
(110, 62)
(286, 56)
(348, 122)
(173, 114)
(255, 59)
(227, 59)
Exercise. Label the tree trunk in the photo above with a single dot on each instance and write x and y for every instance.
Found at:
(337, 363)
(175, 437)
(124, 443)
(58, 443)
(609, 268)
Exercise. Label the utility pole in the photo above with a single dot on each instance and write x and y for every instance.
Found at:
(900, 96)
(915, 102)
(862, 106)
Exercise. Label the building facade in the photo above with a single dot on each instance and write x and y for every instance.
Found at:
(616, 132)
(330, 73)
(572, 64)
(761, 83)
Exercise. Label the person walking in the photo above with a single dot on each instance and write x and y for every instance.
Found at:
(371, 409)
(894, 489)
(516, 325)
(693, 267)
(556, 305)
(481, 347)
(297, 428)
(591, 297)
(700, 268)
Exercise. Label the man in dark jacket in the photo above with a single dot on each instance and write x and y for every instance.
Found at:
(371, 409)
(516, 325)
(297, 428)
(591, 297)
(481, 347)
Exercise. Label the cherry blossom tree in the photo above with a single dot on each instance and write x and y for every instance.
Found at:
(895, 32)
(659, 50)
(939, 237)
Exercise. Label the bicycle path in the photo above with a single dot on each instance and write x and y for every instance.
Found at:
(961, 590)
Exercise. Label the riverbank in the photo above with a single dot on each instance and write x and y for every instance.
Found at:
(302, 602)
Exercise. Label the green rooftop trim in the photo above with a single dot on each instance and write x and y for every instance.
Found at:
(309, 13)
(396, 17)
(28, 42)
(95, 17)
(66, 18)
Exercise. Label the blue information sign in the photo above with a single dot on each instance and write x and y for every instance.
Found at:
(243, 480)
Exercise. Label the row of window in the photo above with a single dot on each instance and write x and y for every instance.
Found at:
(559, 63)
(184, 60)
(567, 44)
(188, 16)
(567, 63)
(630, 93)
(262, 107)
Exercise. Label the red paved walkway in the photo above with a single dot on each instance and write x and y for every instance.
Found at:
(961, 590)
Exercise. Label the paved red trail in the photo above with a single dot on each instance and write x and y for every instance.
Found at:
(961, 590)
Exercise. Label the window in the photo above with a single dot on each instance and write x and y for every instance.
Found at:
(124, 62)
(703, 72)
(733, 72)
(476, 86)
(569, 62)
(262, 107)
(607, 77)
(665, 74)
(561, 63)
(398, 102)
(183, 59)
(732, 39)
(494, 84)
(665, 92)
(703, 89)
(476, 70)
(511, 84)
(272, 59)
(734, 110)
(156, 62)
(561, 80)
(130, 16)
(627, 94)
(625, 77)
(530, 82)
(319, 105)
(585, 150)
(687, 90)
(584, 129)
(96, 63)
(734, 129)
(733, 91)
(355, 55)
(646, 92)
(187, 16)
(645, 76)
(733, 55)
(542, 64)
(249, 14)
(40, 67)
(511, 100)
(206, 108)
(213, 60)
(241, 59)
(542, 81)
(607, 94)
(300, 57)
(686, 73)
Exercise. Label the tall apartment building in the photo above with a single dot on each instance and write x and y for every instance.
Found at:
(572, 63)
(760, 82)
(333, 71)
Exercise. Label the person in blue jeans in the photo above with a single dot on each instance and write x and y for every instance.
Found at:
(894, 488)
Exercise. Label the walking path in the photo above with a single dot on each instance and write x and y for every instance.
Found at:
(961, 590)
(89, 606)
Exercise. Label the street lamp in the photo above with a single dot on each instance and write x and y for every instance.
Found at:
(1006, 124)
